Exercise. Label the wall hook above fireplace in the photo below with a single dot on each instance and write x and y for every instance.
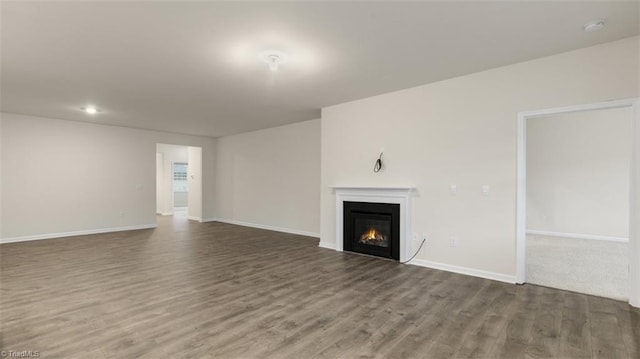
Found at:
(378, 165)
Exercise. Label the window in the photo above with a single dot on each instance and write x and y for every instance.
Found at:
(180, 177)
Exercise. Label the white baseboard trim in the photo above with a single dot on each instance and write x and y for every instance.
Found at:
(165, 213)
(327, 245)
(75, 233)
(212, 219)
(464, 270)
(194, 218)
(269, 228)
(578, 236)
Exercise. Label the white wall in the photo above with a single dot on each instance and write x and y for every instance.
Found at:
(1, 176)
(578, 171)
(170, 154)
(271, 178)
(634, 226)
(463, 131)
(160, 183)
(63, 176)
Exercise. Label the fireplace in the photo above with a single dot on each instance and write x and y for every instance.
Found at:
(372, 228)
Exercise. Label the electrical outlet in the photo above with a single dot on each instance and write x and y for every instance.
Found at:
(453, 241)
(424, 236)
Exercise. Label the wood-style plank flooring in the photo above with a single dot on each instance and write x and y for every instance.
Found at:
(214, 290)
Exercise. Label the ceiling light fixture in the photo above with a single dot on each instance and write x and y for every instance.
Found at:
(273, 58)
(593, 26)
(91, 110)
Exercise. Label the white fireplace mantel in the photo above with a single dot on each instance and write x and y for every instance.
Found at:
(395, 195)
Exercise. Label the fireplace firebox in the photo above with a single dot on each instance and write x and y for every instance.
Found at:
(372, 228)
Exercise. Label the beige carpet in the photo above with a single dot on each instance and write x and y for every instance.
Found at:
(587, 266)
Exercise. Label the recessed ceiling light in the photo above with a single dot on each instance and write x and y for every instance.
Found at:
(592, 26)
(273, 58)
(91, 110)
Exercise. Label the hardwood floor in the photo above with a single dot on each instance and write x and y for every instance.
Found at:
(213, 290)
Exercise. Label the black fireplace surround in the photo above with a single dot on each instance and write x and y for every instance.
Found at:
(372, 228)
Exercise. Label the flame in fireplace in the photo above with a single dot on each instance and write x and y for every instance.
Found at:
(372, 235)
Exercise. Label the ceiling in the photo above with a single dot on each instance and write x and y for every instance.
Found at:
(193, 67)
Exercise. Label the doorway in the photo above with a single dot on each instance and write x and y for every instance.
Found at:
(544, 204)
(180, 188)
(179, 181)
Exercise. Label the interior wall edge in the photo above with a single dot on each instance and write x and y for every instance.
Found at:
(268, 227)
(500, 277)
(578, 236)
(43, 236)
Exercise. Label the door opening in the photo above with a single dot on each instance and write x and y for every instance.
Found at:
(180, 189)
(179, 181)
(525, 219)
